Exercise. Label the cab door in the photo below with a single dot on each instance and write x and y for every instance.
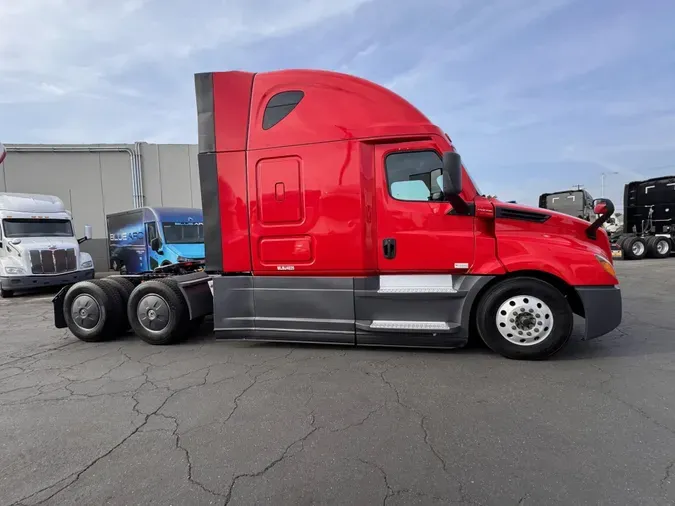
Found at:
(414, 230)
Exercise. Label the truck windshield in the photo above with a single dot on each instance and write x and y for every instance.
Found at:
(183, 233)
(568, 203)
(28, 227)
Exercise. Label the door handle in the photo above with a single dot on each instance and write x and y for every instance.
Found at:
(389, 248)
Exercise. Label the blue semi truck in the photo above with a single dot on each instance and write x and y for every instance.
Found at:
(144, 239)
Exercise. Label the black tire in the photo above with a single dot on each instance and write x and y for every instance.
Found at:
(634, 248)
(6, 294)
(99, 309)
(526, 289)
(621, 240)
(157, 301)
(659, 247)
(188, 326)
(124, 288)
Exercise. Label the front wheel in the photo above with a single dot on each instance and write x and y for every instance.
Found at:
(525, 319)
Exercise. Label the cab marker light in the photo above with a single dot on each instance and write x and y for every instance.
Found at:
(606, 264)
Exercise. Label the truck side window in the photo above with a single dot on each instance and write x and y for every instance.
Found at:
(280, 106)
(152, 231)
(414, 175)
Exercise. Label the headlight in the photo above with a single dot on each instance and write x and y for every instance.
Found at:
(14, 270)
(87, 264)
(607, 265)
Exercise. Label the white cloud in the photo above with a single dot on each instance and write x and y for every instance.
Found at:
(78, 46)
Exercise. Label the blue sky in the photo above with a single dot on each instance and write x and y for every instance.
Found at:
(538, 95)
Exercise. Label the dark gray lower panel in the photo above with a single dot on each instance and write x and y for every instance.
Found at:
(603, 309)
(284, 308)
(453, 308)
(341, 310)
(439, 340)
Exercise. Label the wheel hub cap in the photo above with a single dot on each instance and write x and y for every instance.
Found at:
(85, 311)
(153, 312)
(524, 320)
(638, 248)
(662, 247)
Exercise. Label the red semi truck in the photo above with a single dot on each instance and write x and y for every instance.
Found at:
(336, 212)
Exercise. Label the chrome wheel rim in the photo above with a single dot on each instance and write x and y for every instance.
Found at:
(153, 313)
(662, 247)
(524, 320)
(85, 311)
(638, 248)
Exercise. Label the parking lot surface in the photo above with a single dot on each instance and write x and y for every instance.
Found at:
(208, 422)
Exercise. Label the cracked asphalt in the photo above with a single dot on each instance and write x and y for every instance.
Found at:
(206, 422)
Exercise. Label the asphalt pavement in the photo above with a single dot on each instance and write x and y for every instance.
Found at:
(206, 422)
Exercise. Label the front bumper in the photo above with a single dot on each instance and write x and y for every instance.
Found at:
(602, 309)
(28, 282)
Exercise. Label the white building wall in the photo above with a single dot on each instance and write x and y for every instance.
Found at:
(95, 183)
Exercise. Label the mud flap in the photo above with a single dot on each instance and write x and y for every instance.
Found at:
(57, 302)
(196, 288)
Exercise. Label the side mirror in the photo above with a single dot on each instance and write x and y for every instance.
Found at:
(604, 208)
(452, 173)
(155, 244)
(452, 182)
(87, 234)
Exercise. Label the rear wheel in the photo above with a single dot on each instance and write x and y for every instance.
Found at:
(157, 313)
(93, 310)
(659, 247)
(123, 287)
(188, 326)
(634, 248)
(524, 318)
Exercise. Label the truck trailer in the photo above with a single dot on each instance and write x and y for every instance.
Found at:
(325, 222)
(143, 239)
(578, 203)
(38, 247)
(648, 220)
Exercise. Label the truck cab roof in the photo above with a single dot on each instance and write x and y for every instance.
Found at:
(31, 203)
(244, 110)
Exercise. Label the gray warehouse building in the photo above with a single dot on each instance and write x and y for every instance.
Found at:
(97, 179)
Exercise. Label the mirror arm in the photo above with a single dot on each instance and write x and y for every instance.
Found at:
(459, 205)
(591, 231)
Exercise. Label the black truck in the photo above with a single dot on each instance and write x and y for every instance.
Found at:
(649, 219)
(577, 203)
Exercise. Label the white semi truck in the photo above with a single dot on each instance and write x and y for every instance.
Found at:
(38, 246)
